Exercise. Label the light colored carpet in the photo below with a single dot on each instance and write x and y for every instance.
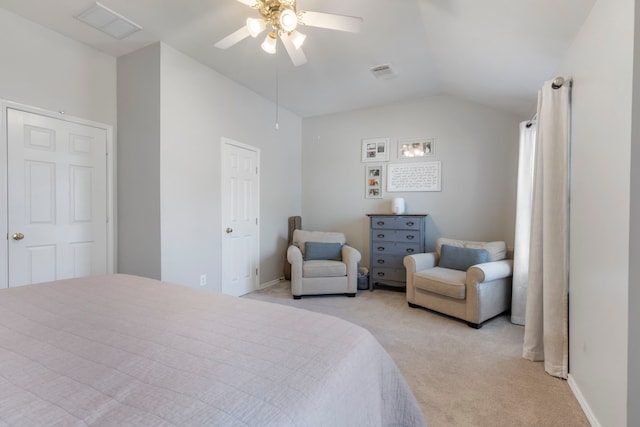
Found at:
(459, 375)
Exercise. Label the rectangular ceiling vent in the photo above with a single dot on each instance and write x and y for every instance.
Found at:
(383, 71)
(108, 21)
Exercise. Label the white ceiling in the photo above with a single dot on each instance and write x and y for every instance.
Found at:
(495, 52)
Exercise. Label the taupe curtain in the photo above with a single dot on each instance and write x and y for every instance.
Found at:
(547, 313)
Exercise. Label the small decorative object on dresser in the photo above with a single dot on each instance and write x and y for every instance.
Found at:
(397, 206)
(391, 238)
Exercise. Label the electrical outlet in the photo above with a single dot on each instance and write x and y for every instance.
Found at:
(203, 279)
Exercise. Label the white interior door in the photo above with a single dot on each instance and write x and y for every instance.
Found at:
(57, 199)
(240, 206)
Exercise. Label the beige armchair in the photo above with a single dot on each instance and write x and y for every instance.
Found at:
(322, 263)
(450, 281)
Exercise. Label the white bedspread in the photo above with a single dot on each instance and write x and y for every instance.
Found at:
(123, 350)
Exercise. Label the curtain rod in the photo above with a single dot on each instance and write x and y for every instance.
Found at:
(559, 81)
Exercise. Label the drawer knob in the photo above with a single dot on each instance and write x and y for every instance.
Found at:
(381, 274)
(380, 261)
(380, 222)
(380, 236)
(410, 237)
(410, 223)
(381, 248)
(410, 250)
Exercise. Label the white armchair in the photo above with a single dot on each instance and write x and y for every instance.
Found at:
(475, 292)
(322, 263)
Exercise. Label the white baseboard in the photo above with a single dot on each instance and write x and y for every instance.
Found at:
(271, 283)
(583, 403)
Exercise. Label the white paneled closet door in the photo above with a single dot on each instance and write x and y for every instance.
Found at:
(57, 199)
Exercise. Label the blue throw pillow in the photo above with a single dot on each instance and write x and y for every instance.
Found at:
(322, 250)
(458, 258)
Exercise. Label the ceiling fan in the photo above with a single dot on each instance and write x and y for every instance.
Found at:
(283, 18)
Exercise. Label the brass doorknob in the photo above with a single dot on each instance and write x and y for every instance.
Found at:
(229, 230)
(18, 236)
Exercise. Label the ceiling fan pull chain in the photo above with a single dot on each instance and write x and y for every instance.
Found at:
(277, 90)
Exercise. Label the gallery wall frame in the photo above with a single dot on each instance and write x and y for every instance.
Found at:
(411, 148)
(374, 179)
(423, 176)
(375, 150)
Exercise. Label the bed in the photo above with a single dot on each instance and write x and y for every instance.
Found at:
(121, 350)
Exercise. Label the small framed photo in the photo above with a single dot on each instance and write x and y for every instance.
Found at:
(375, 150)
(373, 181)
(416, 148)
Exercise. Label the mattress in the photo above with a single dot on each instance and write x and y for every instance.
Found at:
(121, 350)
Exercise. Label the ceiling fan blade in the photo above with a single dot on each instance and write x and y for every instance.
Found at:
(297, 55)
(249, 3)
(333, 22)
(233, 38)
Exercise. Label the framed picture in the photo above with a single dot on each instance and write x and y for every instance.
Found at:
(373, 181)
(416, 148)
(414, 176)
(375, 150)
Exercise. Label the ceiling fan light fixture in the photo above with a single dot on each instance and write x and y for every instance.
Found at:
(288, 20)
(256, 26)
(280, 19)
(269, 43)
(297, 38)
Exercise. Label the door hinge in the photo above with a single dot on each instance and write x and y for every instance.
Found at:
(256, 221)
(256, 271)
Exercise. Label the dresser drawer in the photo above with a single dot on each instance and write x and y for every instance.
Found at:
(396, 274)
(395, 223)
(395, 248)
(387, 260)
(396, 235)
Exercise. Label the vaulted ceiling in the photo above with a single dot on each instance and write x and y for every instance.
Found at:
(494, 52)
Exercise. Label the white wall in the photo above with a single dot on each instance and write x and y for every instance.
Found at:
(139, 163)
(44, 69)
(174, 112)
(601, 62)
(477, 146)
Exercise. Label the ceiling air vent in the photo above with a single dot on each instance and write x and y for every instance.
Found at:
(108, 21)
(383, 71)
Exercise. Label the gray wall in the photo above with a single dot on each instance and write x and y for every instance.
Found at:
(601, 62)
(477, 146)
(173, 114)
(139, 248)
(199, 107)
(44, 69)
(633, 373)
